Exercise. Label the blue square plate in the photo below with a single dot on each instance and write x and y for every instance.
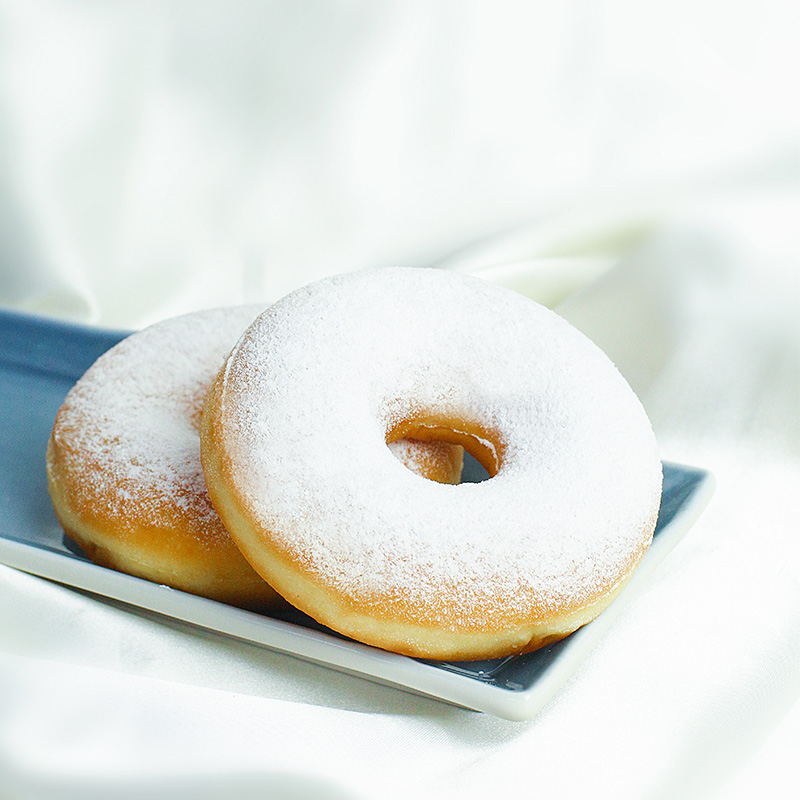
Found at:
(41, 359)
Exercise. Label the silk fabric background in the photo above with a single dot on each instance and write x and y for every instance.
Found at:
(635, 165)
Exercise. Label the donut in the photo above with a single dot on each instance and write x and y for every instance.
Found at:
(123, 461)
(294, 448)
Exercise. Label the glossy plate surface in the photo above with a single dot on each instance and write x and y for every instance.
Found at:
(41, 359)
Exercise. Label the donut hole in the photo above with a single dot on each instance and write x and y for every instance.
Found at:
(473, 471)
(481, 449)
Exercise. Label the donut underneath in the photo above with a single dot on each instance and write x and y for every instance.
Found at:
(123, 461)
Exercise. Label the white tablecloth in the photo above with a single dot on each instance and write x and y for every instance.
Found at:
(158, 158)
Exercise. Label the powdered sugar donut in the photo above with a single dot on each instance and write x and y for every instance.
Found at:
(124, 467)
(321, 381)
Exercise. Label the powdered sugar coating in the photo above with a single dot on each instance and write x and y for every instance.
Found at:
(319, 380)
